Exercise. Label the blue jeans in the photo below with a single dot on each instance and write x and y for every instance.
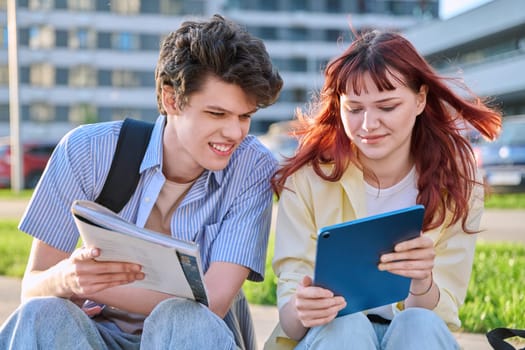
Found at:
(56, 323)
(414, 328)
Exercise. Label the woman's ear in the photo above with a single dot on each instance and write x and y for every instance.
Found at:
(169, 102)
(422, 99)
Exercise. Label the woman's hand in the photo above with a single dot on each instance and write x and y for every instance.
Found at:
(413, 258)
(83, 275)
(315, 305)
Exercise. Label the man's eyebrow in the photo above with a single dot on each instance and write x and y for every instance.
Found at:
(219, 108)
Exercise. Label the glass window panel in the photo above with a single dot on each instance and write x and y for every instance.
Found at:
(124, 78)
(61, 38)
(42, 74)
(81, 5)
(40, 4)
(4, 74)
(62, 76)
(125, 41)
(82, 38)
(171, 7)
(41, 37)
(41, 112)
(82, 76)
(125, 7)
(83, 113)
(104, 40)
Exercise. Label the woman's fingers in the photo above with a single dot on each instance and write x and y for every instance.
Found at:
(315, 305)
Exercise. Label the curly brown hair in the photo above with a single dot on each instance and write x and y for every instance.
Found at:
(216, 47)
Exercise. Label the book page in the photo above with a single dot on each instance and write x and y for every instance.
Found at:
(160, 264)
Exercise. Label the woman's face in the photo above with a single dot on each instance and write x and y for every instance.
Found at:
(380, 123)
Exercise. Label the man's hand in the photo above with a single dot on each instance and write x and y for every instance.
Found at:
(83, 275)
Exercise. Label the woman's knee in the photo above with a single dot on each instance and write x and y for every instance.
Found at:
(349, 332)
(415, 318)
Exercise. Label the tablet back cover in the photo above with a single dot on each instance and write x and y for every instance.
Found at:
(348, 254)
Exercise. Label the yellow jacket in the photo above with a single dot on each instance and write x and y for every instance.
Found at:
(309, 203)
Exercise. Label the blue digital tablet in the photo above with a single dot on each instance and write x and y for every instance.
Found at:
(348, 254)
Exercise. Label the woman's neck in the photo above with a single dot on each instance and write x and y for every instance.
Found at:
(385, 175)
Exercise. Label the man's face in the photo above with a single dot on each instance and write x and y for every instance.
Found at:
(207, 130)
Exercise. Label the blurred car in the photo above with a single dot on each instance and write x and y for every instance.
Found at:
(35, 157)
(503, 160)
(279, 141)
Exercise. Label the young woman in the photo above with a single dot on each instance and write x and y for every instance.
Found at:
(386, 133)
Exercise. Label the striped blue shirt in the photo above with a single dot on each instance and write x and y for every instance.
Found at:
(227, 212)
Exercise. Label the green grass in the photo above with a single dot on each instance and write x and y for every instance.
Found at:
(6, 193)
(505, 201)
(495, 296)
(14, 249)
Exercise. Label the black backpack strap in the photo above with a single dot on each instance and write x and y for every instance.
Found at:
(124, 174)
(496, 337)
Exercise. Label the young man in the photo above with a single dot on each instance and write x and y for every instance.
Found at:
(202, 179)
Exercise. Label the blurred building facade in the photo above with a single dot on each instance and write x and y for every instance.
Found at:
(93, 60)
(485, 47)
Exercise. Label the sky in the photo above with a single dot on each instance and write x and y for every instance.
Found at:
(450, 8)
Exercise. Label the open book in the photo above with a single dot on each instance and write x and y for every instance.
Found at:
(170, 265)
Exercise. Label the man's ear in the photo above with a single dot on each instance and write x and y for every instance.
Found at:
(169, 101)
(422, 98)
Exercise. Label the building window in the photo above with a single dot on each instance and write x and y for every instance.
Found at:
(149, 42)
(82, 114)
(268, 33)
(171, 7)
(82, 76)
(4, 74)
(61, 38)
(334, 6)
(4, 113)
(123, 78)
(81, 5)
(104, 40)
(298, 5)
(62, 76)
(81, 38)
(121, 113)
(41, 112)
(125, 7)
(298, 34)
(3, 37)
(41, 37)
(61, 113)
(125, 41)
(268, 5)
(298, 64)
(40, 4)
(42, 74)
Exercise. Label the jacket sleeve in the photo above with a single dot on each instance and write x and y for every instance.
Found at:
(454, 258)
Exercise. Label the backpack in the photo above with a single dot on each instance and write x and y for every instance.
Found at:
(497, 336)
(124, 176)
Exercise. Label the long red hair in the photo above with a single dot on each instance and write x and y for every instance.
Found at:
(443, 156)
